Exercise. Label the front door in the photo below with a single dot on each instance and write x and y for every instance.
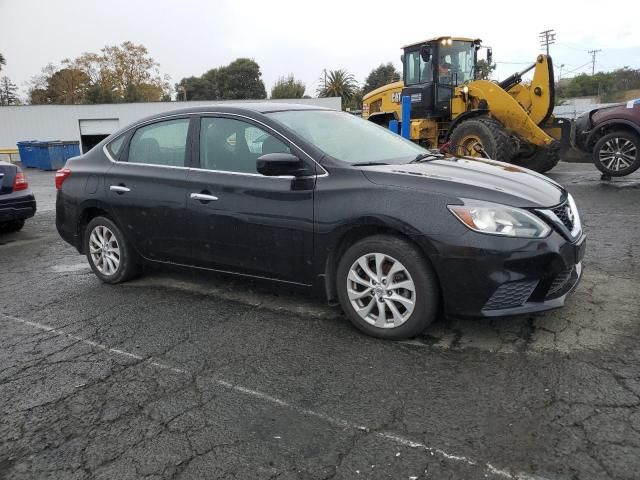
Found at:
(146, 188)
(240, 220)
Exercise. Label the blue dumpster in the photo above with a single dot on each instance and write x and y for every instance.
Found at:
(56, 157)
(47, 155)
(41, 155)
(71, 149)
(28, 153)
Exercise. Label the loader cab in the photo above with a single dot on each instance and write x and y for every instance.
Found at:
(433, 69)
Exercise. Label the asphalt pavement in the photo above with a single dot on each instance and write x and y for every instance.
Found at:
(180, 375)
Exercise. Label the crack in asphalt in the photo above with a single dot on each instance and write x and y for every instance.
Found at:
(345, 424)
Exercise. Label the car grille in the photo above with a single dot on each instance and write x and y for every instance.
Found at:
(562, 213)
(510, 294)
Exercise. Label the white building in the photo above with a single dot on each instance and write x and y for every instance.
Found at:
(89, 124)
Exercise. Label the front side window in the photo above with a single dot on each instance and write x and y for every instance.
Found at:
(347, 137)
(162, 143)
(231, 145)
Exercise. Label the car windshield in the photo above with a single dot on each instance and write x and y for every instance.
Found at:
(456, 63)
(348, 138)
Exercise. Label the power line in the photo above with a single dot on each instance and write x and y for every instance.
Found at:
(548, 37)
(593, 60)
(578, 68)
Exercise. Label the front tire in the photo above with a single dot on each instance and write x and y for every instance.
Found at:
(617, 154)
(482, 134)
(387, 288)
(110, 255)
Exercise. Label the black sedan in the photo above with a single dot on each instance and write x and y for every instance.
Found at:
(321, 198)
(17, 203)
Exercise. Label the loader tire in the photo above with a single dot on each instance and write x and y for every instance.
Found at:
(489, 133)
(541, 160)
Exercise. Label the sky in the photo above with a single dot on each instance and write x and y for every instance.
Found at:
(188, 37)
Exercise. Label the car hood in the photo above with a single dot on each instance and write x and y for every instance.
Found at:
(472, 178)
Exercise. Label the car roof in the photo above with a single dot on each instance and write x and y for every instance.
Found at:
(243, 107)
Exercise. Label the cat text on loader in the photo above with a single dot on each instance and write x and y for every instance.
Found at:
(451, 105)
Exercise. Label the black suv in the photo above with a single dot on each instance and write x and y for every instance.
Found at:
(321, 198)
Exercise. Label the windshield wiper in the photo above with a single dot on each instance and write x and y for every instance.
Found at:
(368, 164)
(426, 157)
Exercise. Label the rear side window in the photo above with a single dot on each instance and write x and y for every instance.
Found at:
(162, 143)
(115, 147)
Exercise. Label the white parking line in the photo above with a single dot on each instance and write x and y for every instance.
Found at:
(399, 440)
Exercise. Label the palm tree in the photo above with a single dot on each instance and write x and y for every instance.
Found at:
(338, 83)
(2, 61)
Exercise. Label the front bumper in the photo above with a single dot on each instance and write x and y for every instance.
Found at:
(488, 276)
(17, 206)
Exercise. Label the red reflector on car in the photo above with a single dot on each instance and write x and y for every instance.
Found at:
(20, 182)
(61, 176)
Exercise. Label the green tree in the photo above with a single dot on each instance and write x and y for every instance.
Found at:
(2, 61)
(240, 80)
(119, 73)
(8, 92)
(194, 88)
(237, 81)
(127, 71)
(355, 102)
(484, 70)
(68, 86)
(608, 86)
(338, 83)
(380, 76)
(288, 87)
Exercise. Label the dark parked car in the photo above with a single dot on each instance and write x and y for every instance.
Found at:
(17, 203)
(612, 135)
(320, 198)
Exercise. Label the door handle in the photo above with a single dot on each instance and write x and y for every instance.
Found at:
(203, 197)
(119, 188)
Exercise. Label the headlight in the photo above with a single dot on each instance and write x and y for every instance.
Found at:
(496, 219)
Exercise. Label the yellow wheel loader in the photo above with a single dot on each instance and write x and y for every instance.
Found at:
(452, 108)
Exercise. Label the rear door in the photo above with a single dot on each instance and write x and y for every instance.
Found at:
(146, 187)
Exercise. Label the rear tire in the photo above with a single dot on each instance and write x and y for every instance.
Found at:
(614, 151)
(12, 226)
(396, 293)
(541, 160)
(490, 134)
(109, 253)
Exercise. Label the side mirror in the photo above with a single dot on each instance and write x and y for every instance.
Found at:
(489, 56)
(277, 164)
(402, 59)
(425, 53)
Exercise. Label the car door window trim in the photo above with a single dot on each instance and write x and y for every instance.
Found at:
(198, 116)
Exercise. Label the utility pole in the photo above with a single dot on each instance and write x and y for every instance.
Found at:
(548, 37)
(593, 60)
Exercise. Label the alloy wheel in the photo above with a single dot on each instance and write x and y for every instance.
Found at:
(381, 290)
(617, 154)
(104, 250)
